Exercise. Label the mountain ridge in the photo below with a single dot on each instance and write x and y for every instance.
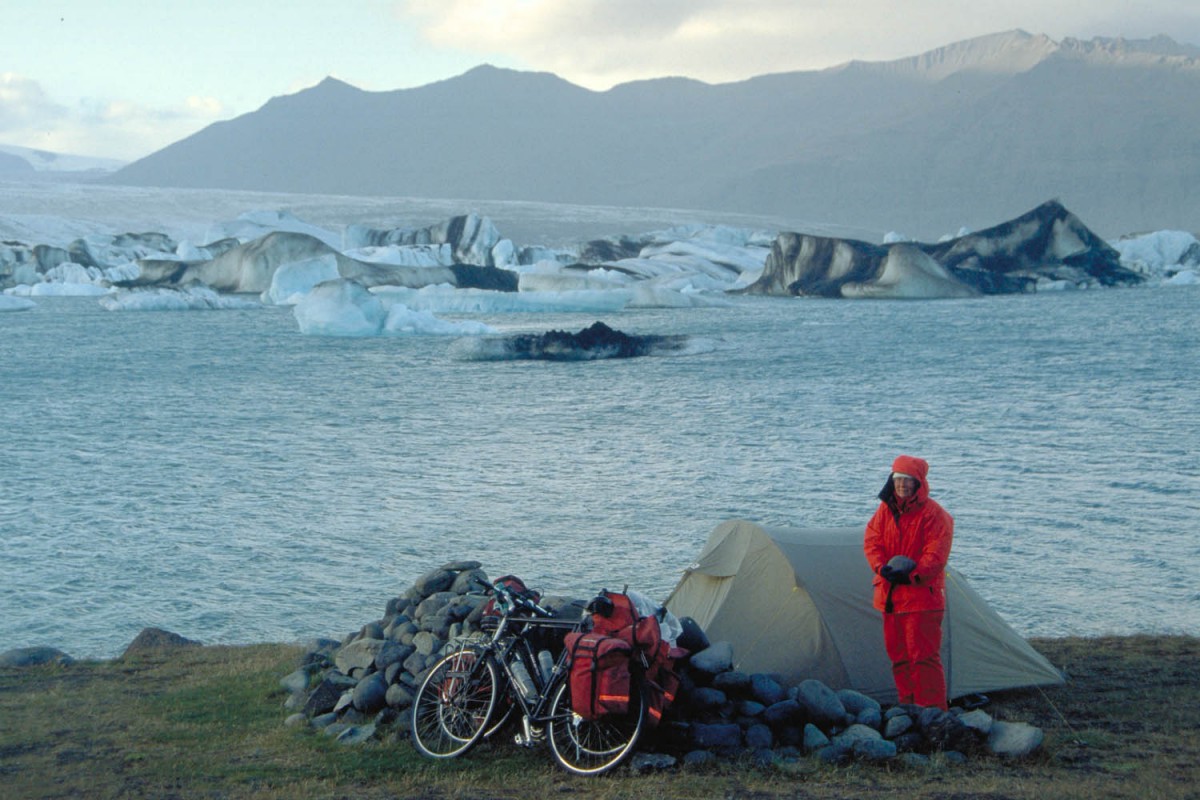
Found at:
(961, 135)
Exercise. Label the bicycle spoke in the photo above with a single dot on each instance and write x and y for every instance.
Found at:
(590, 747)
(453, 706)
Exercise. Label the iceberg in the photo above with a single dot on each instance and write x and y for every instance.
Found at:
(346, 308)
(193, 298)
(446, 299)
(1162, 254)
(293, 280)
(401, 320)
(1185, 277)
(59, 289)
(414, 255)
(340, 308)
(11, 303)
(256, 224)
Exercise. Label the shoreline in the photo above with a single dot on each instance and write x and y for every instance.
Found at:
(208, 720)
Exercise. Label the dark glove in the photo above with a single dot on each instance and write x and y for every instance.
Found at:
(897, 570)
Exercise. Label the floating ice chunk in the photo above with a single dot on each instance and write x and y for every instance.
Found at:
(650, 296)
(11, 303)
(62, 289)
(345, 308)
(1186, 277)
(404, 320)
(340, 308)
(295, 279)
(193, 298)
(445, 299)
(1158, 254)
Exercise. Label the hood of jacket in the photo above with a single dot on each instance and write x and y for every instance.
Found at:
(908, 465)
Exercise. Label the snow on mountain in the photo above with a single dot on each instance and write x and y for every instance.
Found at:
(15, 161)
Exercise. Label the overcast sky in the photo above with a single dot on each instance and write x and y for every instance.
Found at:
(123, 78)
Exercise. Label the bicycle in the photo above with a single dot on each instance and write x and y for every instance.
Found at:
(470, 693)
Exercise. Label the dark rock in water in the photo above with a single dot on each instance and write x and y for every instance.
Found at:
(595, 342)
(154, 639)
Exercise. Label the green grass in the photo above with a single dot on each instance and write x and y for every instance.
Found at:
(208, 723)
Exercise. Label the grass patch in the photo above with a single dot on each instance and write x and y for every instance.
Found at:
(206, 722)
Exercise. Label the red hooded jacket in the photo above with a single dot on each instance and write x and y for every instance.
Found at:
(921, 530)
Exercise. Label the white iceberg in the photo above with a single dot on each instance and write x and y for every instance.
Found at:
(1161, 254)
(293, 280)
(194, 298)
(403, 320)
(346, 308)
(446, 299)
(11, 303)
(59, 289)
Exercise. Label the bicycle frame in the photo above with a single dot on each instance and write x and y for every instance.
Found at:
(510, 641)
(469, 694)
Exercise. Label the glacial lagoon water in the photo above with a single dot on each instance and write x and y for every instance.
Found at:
(221, 475)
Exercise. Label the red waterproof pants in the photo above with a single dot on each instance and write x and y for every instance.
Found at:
(914, 642)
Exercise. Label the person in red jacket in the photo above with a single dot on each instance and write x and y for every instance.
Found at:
(907, 543)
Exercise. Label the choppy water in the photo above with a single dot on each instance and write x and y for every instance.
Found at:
(220, 475)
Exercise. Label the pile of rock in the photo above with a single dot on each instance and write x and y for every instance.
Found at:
(361, 688)
(723, 711)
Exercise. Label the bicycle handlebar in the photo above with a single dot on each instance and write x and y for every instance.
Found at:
(508, 600)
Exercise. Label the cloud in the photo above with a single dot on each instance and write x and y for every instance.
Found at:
(112, 128)
(598, 43)
(23, 102)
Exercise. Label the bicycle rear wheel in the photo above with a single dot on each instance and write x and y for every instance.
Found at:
(590, 747)
(451, 711)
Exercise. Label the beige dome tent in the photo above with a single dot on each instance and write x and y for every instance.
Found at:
(798, 602)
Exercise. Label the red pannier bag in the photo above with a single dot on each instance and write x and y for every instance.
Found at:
(615, 615)
(662, 682)
(600, 678)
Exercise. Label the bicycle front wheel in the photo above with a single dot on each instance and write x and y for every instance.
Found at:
(590, 747)
(451, 711)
